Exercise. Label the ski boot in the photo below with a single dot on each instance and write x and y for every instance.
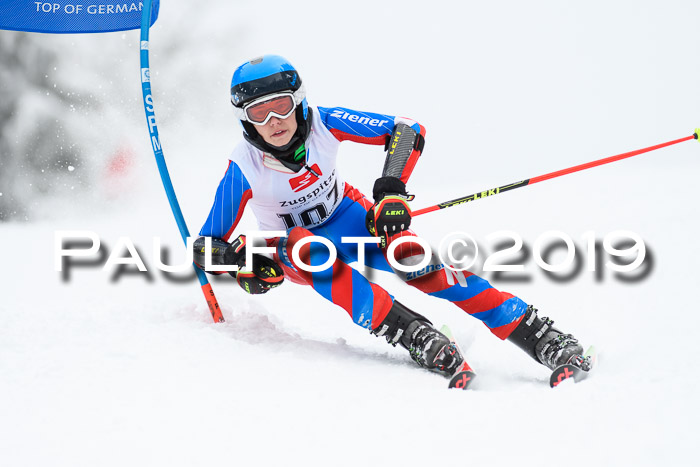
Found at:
(546, 344)
(426, 345)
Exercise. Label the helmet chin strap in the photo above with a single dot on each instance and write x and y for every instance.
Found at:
(285, 154)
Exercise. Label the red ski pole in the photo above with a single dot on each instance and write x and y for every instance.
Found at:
(541, 178)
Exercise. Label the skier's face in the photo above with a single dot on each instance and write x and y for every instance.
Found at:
(278, 132)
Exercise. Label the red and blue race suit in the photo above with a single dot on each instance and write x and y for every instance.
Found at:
(318, 202)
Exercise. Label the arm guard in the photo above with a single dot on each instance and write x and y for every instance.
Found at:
(222, 253)
(404, 146)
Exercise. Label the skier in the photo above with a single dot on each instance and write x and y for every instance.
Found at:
(286, 170)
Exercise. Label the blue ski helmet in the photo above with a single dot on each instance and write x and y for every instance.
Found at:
(260, 77)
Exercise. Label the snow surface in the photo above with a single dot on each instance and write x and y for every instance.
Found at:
(130, 370)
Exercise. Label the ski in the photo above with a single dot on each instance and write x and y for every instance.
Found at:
(464, 376)
(573, 372)
(462, 379)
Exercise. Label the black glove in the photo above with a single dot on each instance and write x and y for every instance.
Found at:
(390, 213)
(264, 274)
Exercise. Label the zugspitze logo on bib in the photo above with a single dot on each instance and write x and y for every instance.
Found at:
(305, 180)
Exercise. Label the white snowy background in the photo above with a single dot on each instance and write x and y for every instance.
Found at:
(130, 370)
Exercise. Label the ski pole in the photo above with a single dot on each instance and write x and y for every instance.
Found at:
(541, 178)
(160, 159)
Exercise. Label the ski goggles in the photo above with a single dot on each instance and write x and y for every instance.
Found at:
(280, 105)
